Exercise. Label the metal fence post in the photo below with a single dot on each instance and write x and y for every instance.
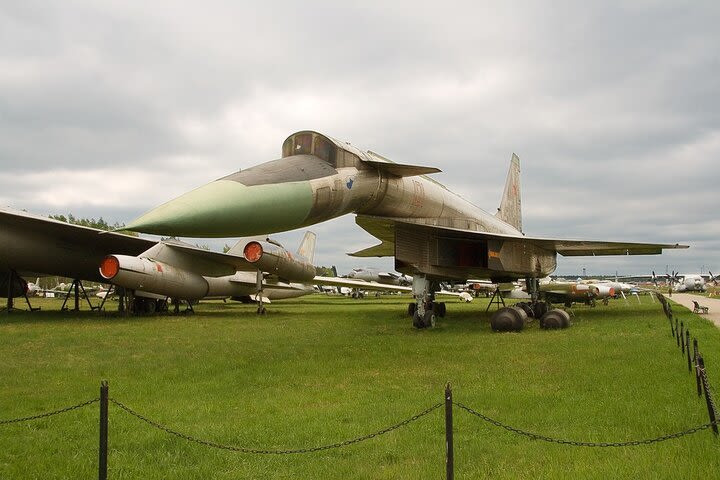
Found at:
(672, 329)
(708, 395)
(682, 336)
(696, 354)
(102, 463)
(677, 332)
(687, 347)
(449, 458)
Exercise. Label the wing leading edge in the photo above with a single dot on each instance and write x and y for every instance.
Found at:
(384, 228)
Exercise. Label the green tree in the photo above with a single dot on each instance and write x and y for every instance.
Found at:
(99, 224)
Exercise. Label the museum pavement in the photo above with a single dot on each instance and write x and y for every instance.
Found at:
(713, 304)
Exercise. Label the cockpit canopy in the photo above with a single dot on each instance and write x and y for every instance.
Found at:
(312, 143)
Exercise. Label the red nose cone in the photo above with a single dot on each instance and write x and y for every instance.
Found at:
(109, 267)
(252, 252)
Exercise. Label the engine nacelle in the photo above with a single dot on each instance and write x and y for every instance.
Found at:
(137, 273)
(275, 260)
(605, 291)
(583, 290)
(18, 288)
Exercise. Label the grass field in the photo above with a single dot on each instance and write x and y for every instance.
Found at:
(320, 370)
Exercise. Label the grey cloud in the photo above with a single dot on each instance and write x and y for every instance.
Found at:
(613, 108)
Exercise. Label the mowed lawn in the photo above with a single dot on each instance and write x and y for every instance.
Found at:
(320, 370)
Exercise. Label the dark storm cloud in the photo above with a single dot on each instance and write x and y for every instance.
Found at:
(110, 109)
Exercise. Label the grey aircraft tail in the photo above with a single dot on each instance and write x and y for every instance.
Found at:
(307, 247)
(510, 210)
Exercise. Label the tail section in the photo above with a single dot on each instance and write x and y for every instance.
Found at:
(239, 247)
(510, 210)
(307, 247)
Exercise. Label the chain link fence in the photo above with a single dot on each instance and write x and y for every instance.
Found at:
(50, 414)
(576, 443)
(261, 451)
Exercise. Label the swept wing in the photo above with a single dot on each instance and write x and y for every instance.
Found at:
(384, 228)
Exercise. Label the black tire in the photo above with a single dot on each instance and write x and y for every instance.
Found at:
(555, 319)
(540, 309)
(439, 309)
(417, 321)
(429, 319)
(411, 309)
(526, 307)
(508, 319)
(150, 306)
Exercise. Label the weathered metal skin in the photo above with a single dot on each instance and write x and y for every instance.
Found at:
(137, 273)
(143, 274)
(319, 178)
(300, 190)
(275, 260)
(448, 255)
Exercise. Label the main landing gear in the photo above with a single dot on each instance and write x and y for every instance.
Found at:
(425, 309)
(514, 318)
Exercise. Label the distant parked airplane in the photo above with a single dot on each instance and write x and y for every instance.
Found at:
(376, 275)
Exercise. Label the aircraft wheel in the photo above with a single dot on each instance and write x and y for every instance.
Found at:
(568, 304)
(540, 309)
(439, 309)
(508, 319)
(526, 307)
(555, 319)
(411, 309)
(261, 311)
(354, 295)
(417, 321)
(429, 319)
(150, 306)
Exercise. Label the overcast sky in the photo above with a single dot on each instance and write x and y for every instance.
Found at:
(108, 109)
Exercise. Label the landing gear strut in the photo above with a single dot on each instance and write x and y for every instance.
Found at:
(425, 310)
(259, 295)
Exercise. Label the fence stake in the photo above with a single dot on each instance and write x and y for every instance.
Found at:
(696, 354)
(449, 459)
(102, 463)
(708, 397)
(687, 347)
(670, 319)
(682, 336)
(677, 333)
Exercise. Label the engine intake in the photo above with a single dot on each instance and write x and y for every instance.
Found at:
(275, 260)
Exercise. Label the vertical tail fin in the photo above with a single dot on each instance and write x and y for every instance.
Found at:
(510, 210)
(307, 247)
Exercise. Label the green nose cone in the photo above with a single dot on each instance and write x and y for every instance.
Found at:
(225, 208)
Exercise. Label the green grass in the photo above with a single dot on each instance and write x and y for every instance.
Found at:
(320, 370)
